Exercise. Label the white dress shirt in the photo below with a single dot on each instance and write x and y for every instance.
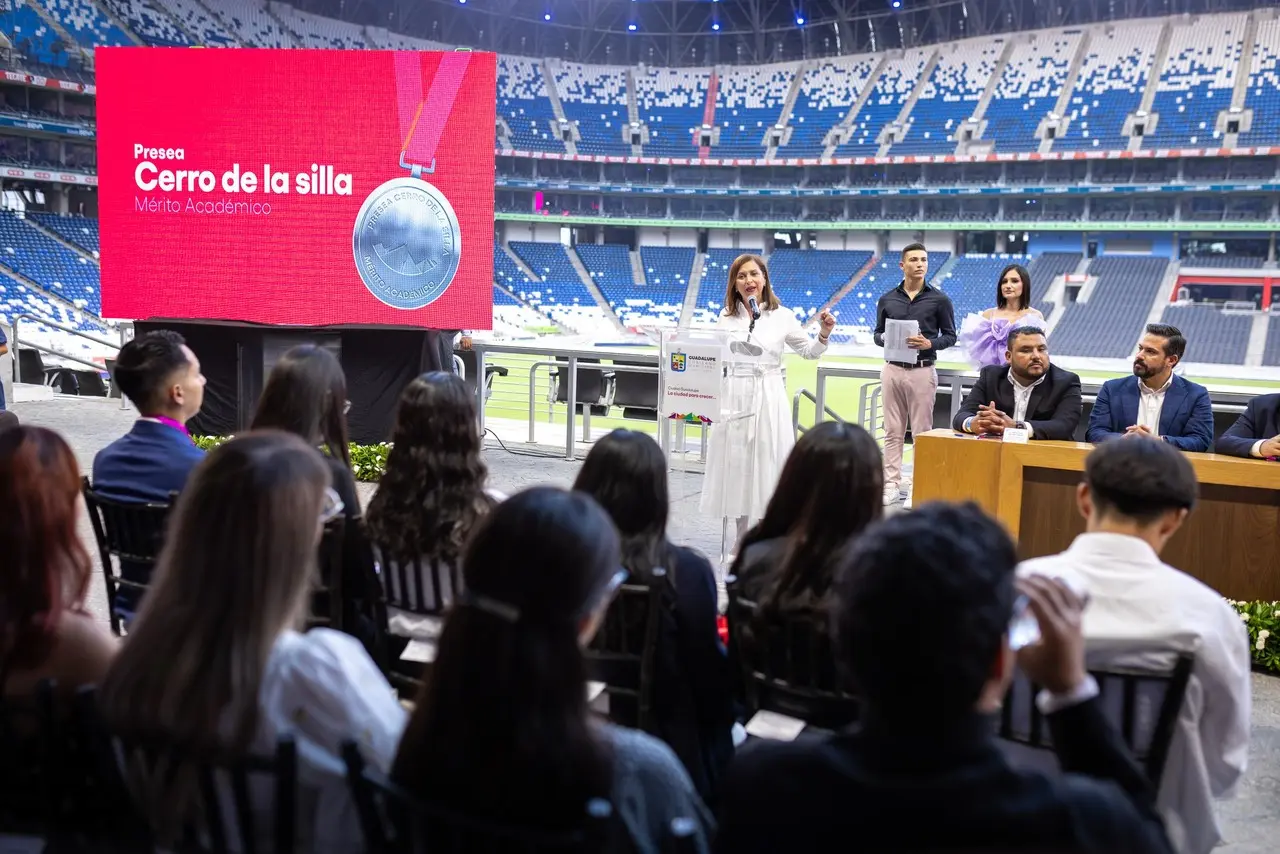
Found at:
(1150, 402)
(1022, 397)
(1141, 610)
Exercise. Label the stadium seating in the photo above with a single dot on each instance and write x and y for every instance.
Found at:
(656, 302)
(1028, 89)
(749, 101)
(315, 31)
(80, 230)
(826, 93)
(17, 299)
(950, 96)
(252, 23)
(196, 19)
(1264, 85)
(1110, 323)
(804, 280)
(512, 317)
(971, 282)
(1196, 82)
(87, 23)
(1043, 270)
(1109, 88)
(888, 96)
(149, 22)
(1212, 335)
(594, 98)
(560, 294)
(32, 35)
(523, 102)
(1236, 262)
(672, 104)
(1271, 351)
(48, 263)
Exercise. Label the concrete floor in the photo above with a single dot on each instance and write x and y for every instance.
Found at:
(1251, 821)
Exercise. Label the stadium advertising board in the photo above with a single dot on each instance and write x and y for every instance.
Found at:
(297, 187)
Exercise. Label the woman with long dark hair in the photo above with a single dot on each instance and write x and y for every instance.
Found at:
(626, 473)
(984, 337)
(45, 630)
(215, 659)
(829, 492)
(433, 493)
(502, 730)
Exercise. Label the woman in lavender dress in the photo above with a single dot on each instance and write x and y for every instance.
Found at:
(983, 336)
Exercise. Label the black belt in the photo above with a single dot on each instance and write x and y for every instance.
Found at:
(909, 365)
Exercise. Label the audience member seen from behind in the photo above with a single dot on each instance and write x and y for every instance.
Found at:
(215, 659)
(502, 731)
(306, 395)
(1134, 497)
(925, 603)
(830, 491)
(626, 473)
(1256, 433)
(45, 572)
(430, 498)
(8, 420)
(1155, 403)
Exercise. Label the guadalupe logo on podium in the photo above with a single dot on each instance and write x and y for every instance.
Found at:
(407, 241)
(677, 362)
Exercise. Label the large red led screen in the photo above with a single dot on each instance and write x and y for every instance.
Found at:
(297, 187)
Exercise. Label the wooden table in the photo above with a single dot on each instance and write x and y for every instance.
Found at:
(1231, 541)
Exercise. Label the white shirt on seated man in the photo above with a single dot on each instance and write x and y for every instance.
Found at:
(1135, 495)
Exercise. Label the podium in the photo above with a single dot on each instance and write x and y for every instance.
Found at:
(713, 379)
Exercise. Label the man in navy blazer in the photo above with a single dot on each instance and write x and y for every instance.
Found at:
(1256, 433)
(1154, 402)
(161, 377)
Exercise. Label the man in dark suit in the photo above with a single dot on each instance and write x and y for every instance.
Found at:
(924, 606)
(1030, 392)
(161, 376)
(1256, 432)
(1155, 403)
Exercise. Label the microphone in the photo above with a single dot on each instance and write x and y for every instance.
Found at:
(753, 307)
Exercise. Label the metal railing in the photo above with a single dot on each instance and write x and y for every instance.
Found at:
(31, 345)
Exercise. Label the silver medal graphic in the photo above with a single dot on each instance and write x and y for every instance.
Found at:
(407, 242)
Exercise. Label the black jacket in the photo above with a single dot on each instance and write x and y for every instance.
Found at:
(935, 785)
(1054, 411)
(1260, 420)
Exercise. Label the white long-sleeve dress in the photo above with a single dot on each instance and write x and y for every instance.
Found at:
(745, 455)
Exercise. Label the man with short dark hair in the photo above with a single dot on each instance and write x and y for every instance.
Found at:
(1154, 402)
(908, 388)
(7, 420)
(1134, 497)
(1029, 392)
(924, 605)
(161, 376)
(1256, 433)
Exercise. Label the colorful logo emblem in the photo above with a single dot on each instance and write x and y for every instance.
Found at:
(677, 362)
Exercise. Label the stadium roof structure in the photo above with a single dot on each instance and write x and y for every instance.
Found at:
(710, 32)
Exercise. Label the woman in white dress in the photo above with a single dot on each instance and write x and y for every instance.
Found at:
(745, 455)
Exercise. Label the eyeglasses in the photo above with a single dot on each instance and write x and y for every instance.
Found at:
(332, 507)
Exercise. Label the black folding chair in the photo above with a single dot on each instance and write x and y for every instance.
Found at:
(326, 598)
(1143, 704)
(422, 590)
(396, 823)
(130, 532)
(222, 816)
(636, 393)
(622, 652)
(788, 665)
(31, 800)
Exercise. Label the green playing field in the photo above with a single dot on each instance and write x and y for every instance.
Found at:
(510, 398)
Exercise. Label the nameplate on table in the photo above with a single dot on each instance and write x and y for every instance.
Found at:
(774, 726)
(419, 651)
(1016, 435)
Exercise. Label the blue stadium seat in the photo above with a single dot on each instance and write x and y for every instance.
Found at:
(1196, 82)
(804, 280)
(1028, 89)
(749, 101)
(827, 91)
(149, 22)
(523, 102)
(1212, 336)
(1264, 86)
(1112, 78)
(80, 230)
(594, 98)
(891, 91)
(672, 104)
(950, 96)
(666, 273)
(48, 263)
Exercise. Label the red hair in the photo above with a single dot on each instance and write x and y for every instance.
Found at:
(45, 569)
